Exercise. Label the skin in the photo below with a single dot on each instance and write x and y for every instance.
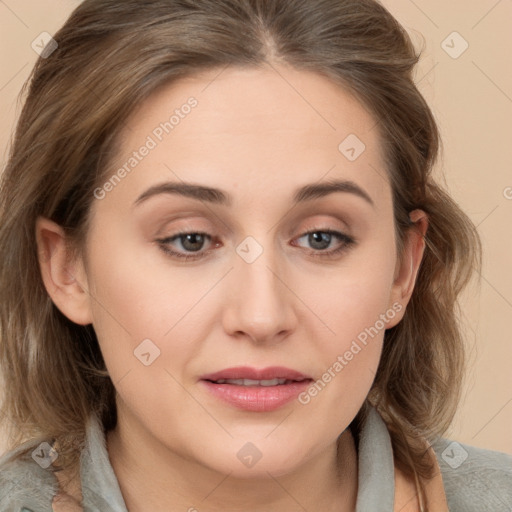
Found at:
(258, 139)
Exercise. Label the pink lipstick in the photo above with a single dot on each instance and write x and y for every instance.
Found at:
(258, 390)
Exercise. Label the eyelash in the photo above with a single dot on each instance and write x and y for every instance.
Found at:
(348, 242)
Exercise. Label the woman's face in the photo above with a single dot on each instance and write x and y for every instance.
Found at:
(257, 291)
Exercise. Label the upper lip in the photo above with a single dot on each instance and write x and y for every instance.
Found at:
(247, 372)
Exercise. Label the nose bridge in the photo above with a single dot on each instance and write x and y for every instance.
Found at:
(260, 303)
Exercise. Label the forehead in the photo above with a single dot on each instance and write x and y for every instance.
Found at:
(257, 129)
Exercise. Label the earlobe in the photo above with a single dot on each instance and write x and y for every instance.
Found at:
(407, 269)
(63, 276)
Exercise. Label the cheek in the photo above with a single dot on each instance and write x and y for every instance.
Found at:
(350, 353)
(144, 313)
(355, 310)
(137, 297)
(353, 296)
(138, 285)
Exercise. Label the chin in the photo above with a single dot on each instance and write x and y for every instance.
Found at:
(250, 462)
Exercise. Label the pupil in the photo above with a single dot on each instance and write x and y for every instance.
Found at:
(319, 236)
(193, 238)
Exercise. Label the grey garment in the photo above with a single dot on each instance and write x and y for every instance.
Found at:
(475, 480)
(376, 471)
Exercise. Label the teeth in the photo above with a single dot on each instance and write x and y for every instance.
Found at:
(251, 382)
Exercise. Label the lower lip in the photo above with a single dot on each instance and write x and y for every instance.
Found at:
(257, 398)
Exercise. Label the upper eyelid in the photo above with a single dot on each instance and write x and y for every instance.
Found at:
(340, 234)
(333, 224)
(186, 231)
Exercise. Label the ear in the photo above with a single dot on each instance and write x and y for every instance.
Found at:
(407, 269)
(64, 278)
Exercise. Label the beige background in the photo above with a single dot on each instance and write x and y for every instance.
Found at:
(471, 96)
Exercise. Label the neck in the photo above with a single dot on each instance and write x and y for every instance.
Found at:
(152, 477)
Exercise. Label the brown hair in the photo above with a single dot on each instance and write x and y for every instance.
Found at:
(112, 55)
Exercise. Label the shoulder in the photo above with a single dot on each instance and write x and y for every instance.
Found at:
(25, 482)
(475, 479)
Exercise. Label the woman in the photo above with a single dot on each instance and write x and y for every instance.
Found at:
(229, 280)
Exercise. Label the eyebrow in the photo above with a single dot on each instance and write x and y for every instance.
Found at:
(220, 197)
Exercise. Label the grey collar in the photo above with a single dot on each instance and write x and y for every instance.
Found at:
(376, 470)
(376, 485)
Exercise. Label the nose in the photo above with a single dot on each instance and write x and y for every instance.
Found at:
(260, 303)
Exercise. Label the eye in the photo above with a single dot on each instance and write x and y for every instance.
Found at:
(189, 241)
(320, 239)
(193, 243)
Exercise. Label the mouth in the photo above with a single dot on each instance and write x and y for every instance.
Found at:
(250, 374)
(252, 382)
(257, 390)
